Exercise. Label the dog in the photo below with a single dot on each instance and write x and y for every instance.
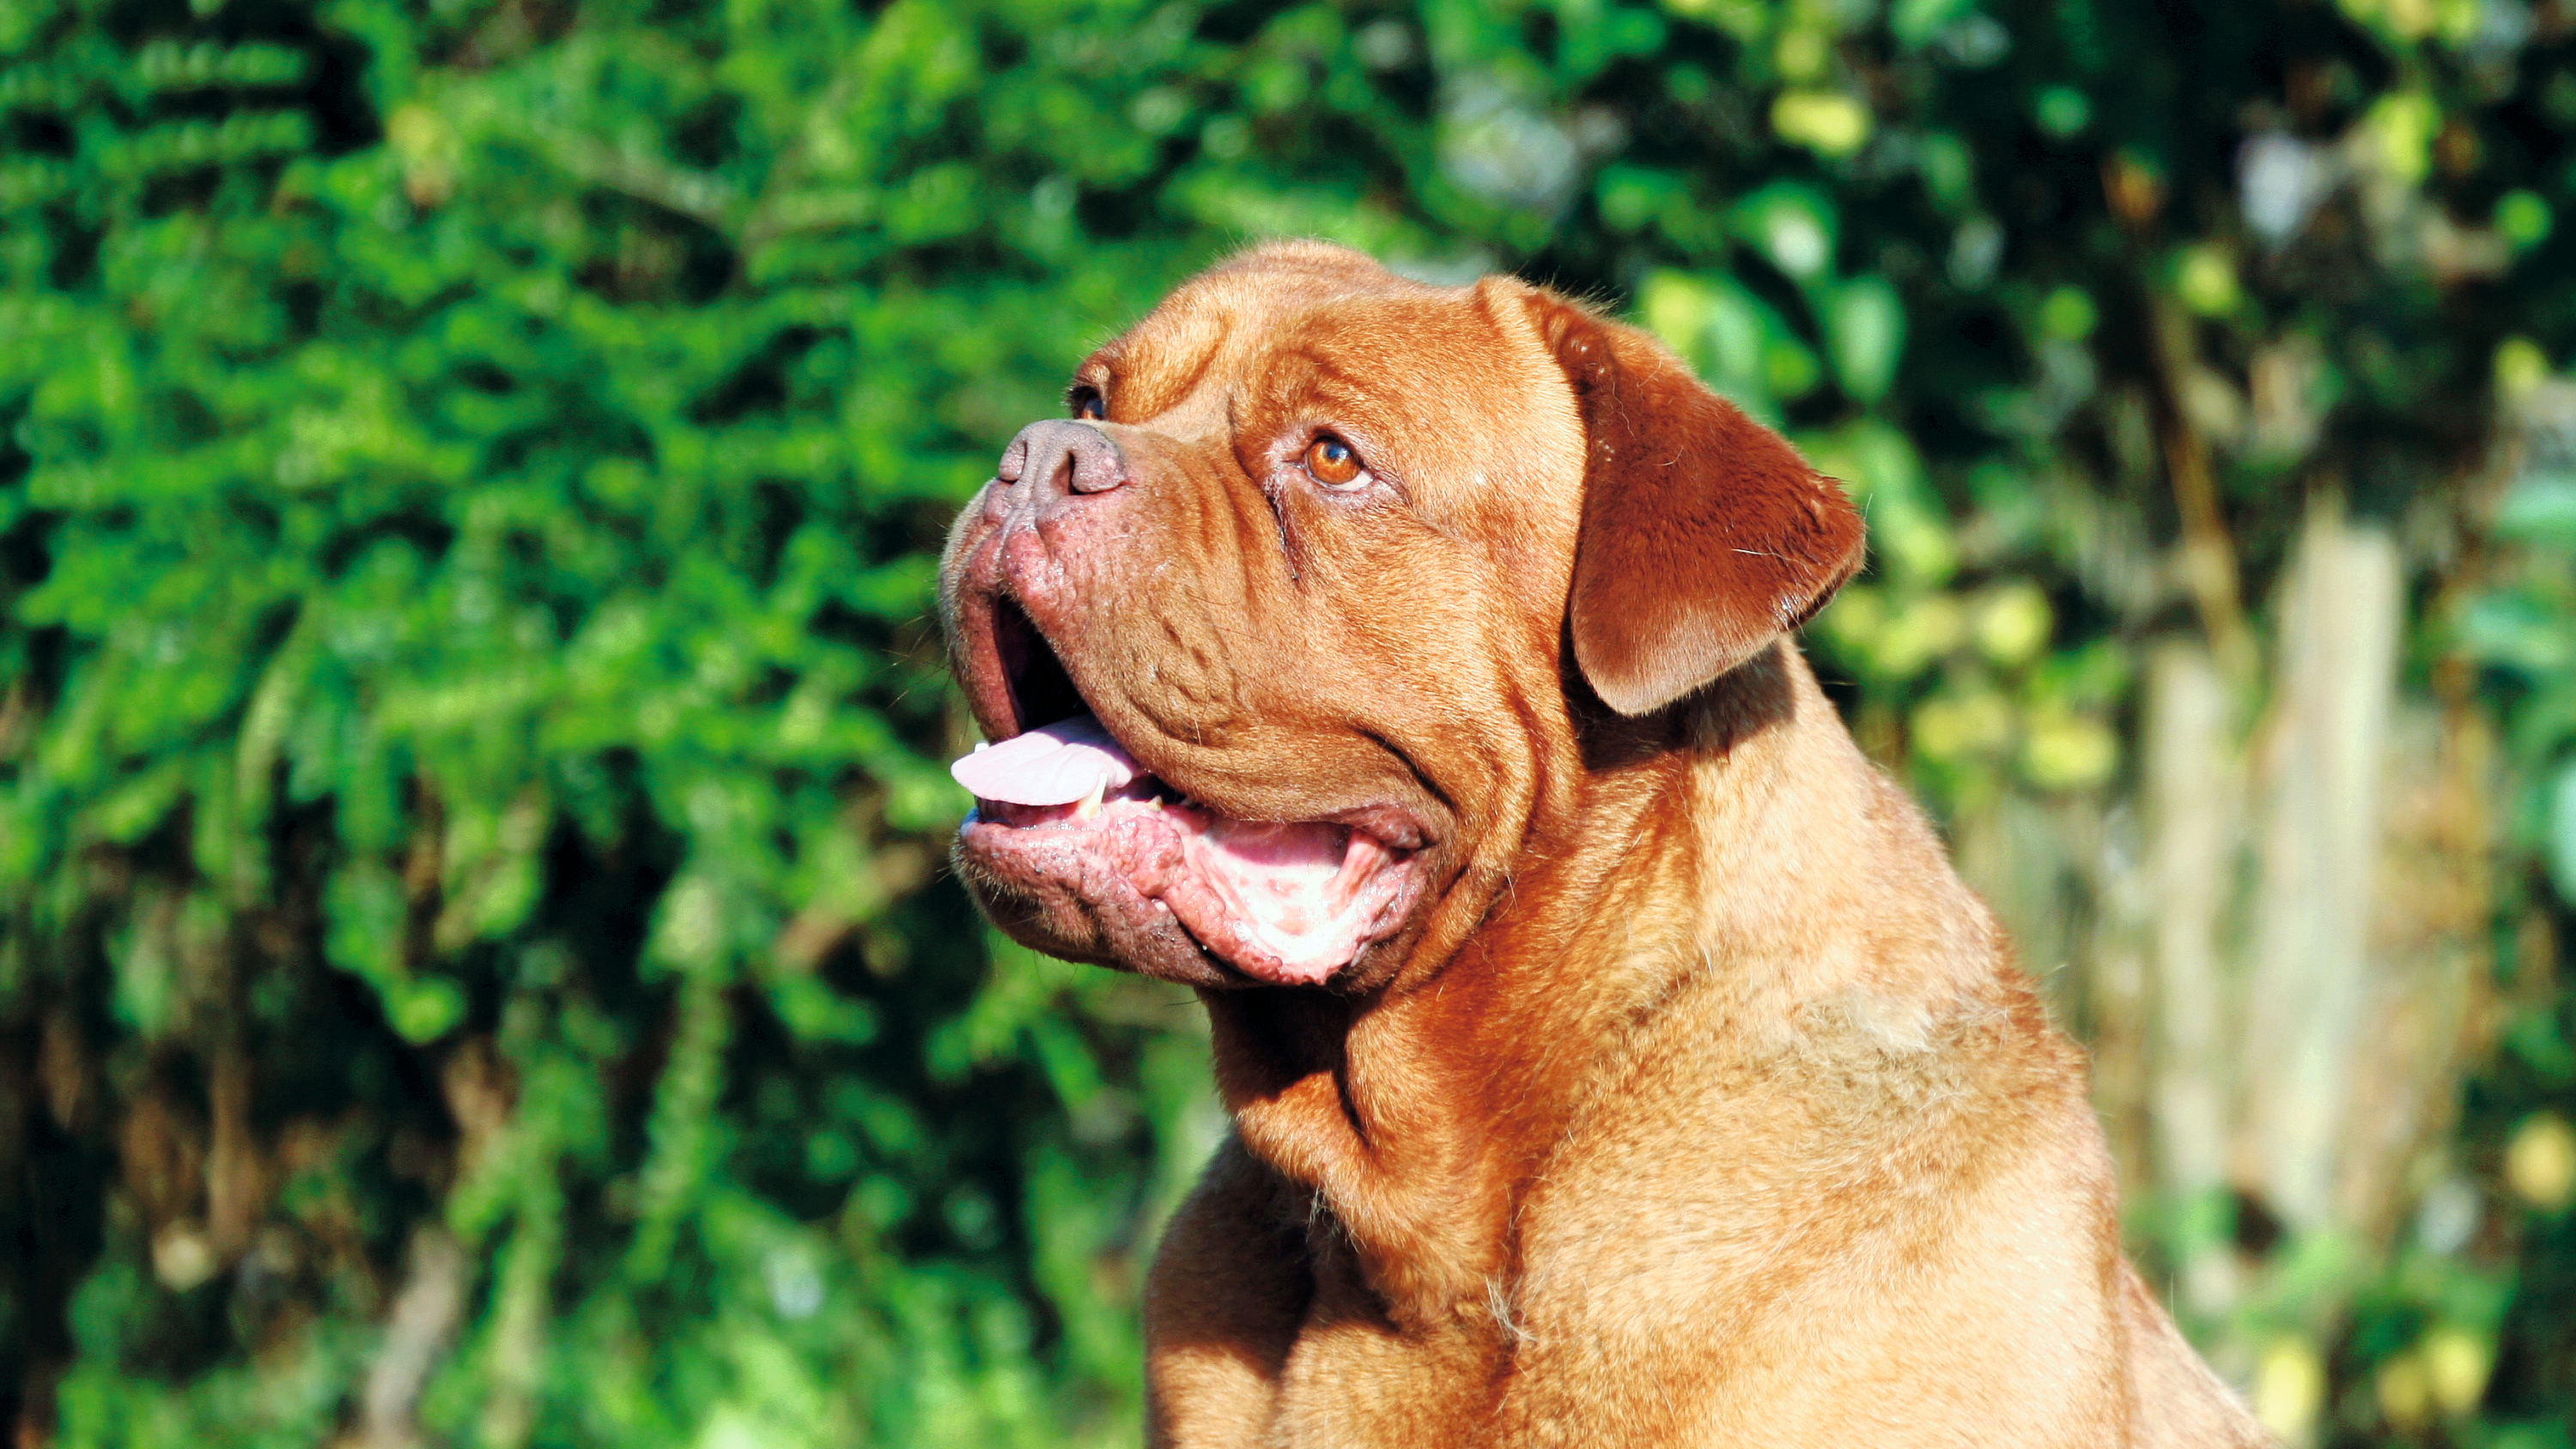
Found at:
(1613, 1056)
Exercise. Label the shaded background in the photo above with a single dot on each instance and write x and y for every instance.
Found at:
(475, 961)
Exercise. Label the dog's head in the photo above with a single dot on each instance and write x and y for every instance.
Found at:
(1271, 635)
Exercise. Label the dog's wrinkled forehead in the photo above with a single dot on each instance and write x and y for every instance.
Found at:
(1447, 390)
(1178, 365)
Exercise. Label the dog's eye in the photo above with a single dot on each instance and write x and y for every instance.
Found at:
(1331, 462)
(1087, 402)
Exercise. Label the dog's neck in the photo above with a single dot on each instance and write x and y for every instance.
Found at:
(1420, 1113)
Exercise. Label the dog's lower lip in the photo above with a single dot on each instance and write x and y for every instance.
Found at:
(1279, 903)
(1391, 829)
(1389, 825)
(1392, 826)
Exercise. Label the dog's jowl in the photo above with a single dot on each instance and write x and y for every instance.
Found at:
(1614, 1057)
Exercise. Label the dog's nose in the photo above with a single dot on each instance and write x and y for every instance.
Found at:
(1063, 457)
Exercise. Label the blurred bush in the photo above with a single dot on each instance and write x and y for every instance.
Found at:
(474, 959)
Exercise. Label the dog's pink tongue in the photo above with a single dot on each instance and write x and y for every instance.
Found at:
(1057, 765)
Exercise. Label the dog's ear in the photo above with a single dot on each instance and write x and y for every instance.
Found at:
(1704, 534)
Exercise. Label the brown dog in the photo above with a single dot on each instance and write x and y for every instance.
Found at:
(1614, 1057)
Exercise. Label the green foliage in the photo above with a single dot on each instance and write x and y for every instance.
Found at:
(470, 692)
(471, 788)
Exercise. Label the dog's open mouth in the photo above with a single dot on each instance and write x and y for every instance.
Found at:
(1283, 902)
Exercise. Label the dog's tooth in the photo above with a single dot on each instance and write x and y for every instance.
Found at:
(1091, 803)
(982, 745)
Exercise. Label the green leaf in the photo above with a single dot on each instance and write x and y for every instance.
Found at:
(1865, 328)
(2562, 832)
(2540, 508)
(1792, 226)
(1915, 22)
